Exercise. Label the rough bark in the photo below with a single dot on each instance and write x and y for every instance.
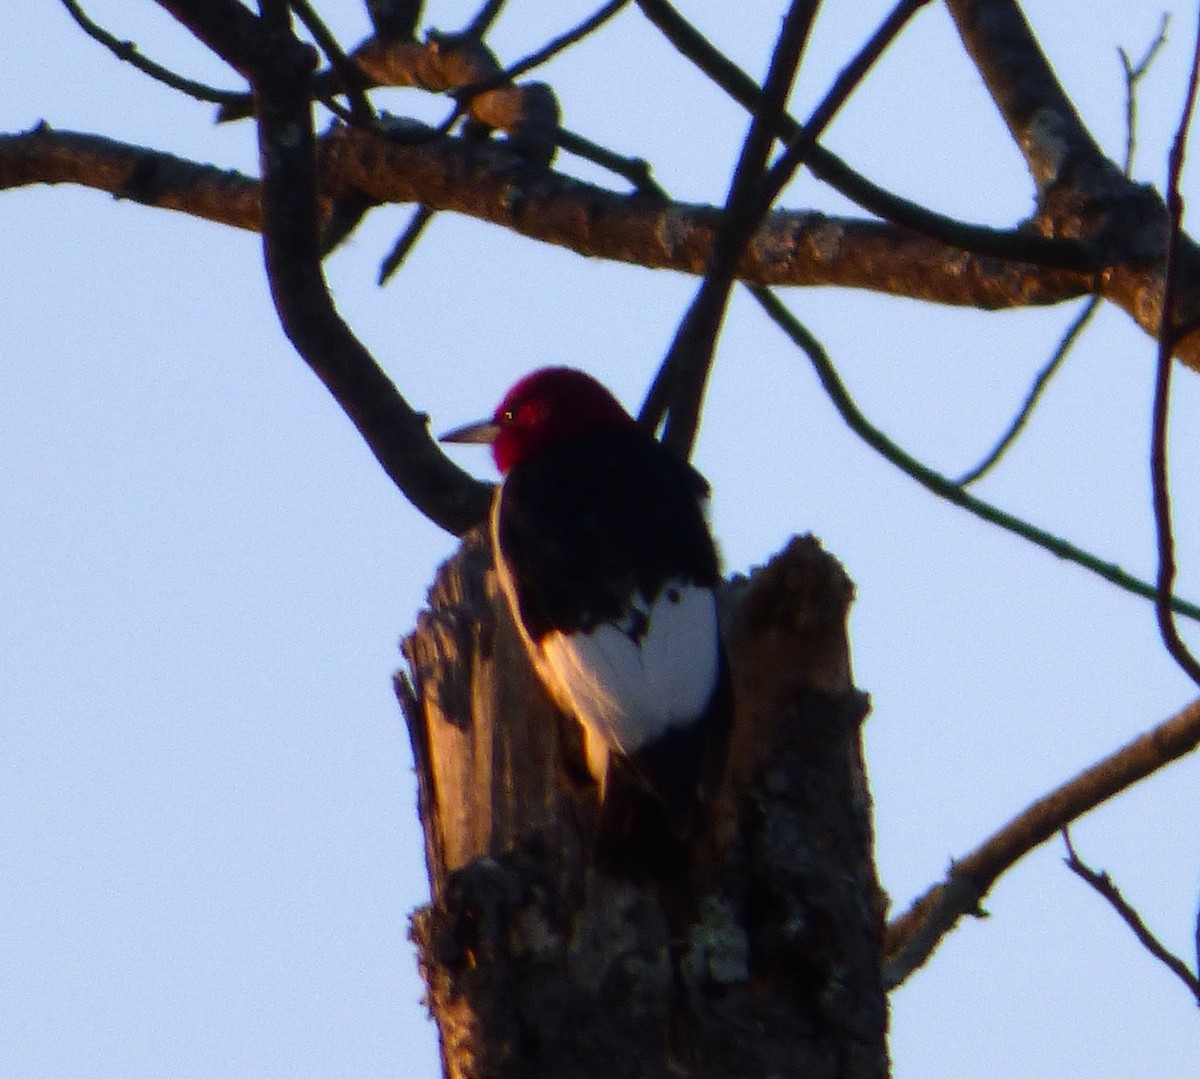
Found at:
(540, 964)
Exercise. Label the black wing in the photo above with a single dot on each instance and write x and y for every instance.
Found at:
(586, 525)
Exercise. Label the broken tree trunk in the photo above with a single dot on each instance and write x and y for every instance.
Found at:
(538, 964)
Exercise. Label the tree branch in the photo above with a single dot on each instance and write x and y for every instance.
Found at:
(152, 177)
(678, 390)
(1044, 124)
(1023, 244)
(482, 180)
(935, 481)
(912, 937)
(226, 27)
(128, 52)
(1161, 408)
(1103, 884)
(1049, 369)
(396, 434)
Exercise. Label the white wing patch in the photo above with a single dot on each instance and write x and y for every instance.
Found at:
(628, 682)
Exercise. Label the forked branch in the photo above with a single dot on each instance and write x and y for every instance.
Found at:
(912, 938)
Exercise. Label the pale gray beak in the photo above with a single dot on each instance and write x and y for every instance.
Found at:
(483, 432)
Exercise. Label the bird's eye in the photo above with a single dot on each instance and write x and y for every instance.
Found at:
(507, 416)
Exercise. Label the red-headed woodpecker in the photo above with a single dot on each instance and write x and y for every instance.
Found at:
(603, 551)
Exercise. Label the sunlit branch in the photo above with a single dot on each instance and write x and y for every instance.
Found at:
(1043, 122)
(913, 936)
(412, 165)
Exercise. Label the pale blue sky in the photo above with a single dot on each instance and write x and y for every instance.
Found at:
(208, 841)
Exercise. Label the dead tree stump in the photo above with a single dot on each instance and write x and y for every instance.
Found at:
(540, 965)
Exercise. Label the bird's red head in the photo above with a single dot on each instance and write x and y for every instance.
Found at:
(547, 407)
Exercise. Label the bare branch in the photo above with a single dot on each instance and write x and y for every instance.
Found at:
(678, 389)
(1026, 245)
(45, 156)
(353, 84)
(799, 148)
(291, 243)
(128, 51)
(1161, 408)
(1044, 124)
(1078, 324)
(912, 937)
(480, 180)
(1134, 73)
(1104, 886)
(395, 18)
(935, 481)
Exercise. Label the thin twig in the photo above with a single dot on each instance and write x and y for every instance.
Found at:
(1048, 371)
(413, 232)
(678, 389)
(913, 936)
(484, 17)
(934, 481)
(849, 78)
(1160, 482)
(546, 53)
(1018, 244)
(1133, 75)
(1103, 884)
(634, 169)
(128, 51)
(348, 72)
